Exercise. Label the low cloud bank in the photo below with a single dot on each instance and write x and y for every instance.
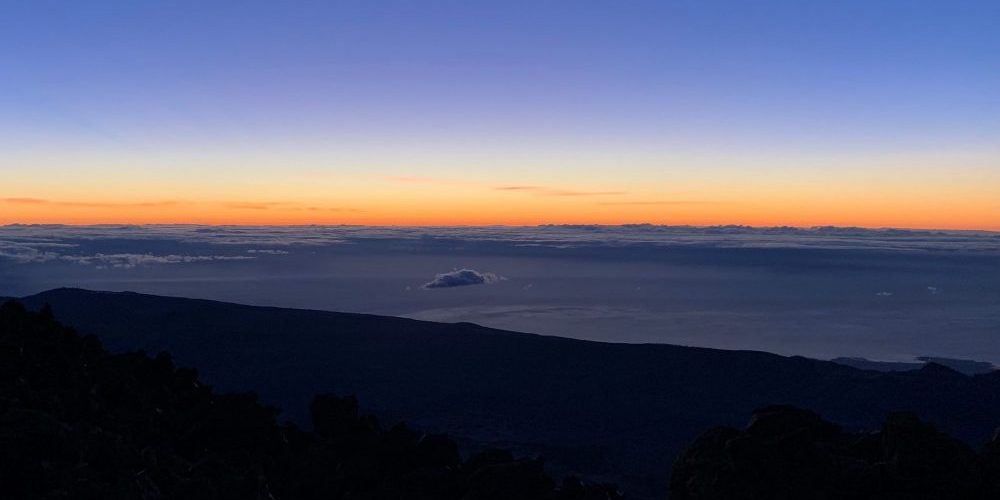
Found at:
(39, 237)
(43, 252)
(462, 277)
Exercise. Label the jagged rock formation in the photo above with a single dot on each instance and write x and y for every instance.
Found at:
(788, 453)
(79, 423)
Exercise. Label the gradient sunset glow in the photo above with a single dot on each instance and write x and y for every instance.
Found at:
(857, 113)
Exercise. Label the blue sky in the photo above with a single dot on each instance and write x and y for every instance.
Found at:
(582, 94)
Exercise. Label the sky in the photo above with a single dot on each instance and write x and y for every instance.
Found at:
(851, 113)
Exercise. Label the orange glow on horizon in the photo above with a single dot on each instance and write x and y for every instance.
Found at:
(963, 214)
(931, 200)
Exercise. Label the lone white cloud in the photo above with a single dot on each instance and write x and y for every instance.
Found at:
(462, 277)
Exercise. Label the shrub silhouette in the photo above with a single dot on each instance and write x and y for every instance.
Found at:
(789, 453)
(77, 422)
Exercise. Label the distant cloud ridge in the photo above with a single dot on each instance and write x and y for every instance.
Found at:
(462, 277)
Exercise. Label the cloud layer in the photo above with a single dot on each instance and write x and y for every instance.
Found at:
(814, 291)
(161, 243)
(130, 260)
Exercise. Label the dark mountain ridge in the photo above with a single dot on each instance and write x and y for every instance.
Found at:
(966, 366)
(615, 412)
(79, 423)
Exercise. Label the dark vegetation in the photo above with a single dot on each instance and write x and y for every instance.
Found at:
(79, 423)
(616, 413)
(791, 454)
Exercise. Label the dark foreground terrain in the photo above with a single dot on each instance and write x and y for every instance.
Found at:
(787, 453)
(79, 423)
(617, 413)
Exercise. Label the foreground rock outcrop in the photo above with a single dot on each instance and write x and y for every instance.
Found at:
(79, 423)
(789, 453)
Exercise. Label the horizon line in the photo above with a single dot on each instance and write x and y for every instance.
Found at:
(540, 225)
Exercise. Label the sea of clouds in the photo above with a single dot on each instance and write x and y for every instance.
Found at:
(822, 292)
(27, 242)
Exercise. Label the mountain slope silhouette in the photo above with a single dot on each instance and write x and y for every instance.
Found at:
(615, 412)
(79, 423)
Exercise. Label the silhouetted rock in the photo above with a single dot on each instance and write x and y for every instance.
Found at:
(789, 453)
(79, 423)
